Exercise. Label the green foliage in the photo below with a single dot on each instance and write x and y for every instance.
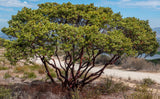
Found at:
(5, 93)
(39, 32)
(7, 75)
(21, 69)
(105, 87)
(29, 75)
(3, 68)
(26, 68)
(155, 61)
(139, 31)
(109, 86)
(52, 73)
(72, 29)
(41, 71)
(34, 67)
(76, 94)
(2, 41)
(148, 82)
(142, 92)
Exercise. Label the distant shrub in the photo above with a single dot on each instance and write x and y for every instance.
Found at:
(7, 75)
(21, 69)
(29, 75)
(142, 92)
(5, 93)
(34, 67)
(109, 86)
(3, 68)
(155, 61)
(75, 94)
(53, 74)
(87, 93)
(132, 63)
(41, 71)
(102, 59)
(60, 53)
(2, 42)
(3, 60)
(148, 82)
(26, 68)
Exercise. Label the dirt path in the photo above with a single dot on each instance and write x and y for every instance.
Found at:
(131, 74)
(121, 73)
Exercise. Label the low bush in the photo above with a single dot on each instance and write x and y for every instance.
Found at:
(4, 61)
(2, 41)
(148, 82)
(26, 68)
(52, 73)
(109, 86)
(132, 63)
(142, 92)
(7, 75)
(105, 87)
(155, 61)
(29, 75)
(34, 67)
(87, 93)
(3, 68)
(5, 93)
(21, 69)
(41, 71)
(102, 59)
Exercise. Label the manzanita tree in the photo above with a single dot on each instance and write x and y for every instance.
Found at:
(82, 32)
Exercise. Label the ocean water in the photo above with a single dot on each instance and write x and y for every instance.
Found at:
(156, 56)
(2, 35)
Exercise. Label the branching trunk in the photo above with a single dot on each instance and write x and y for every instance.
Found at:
(76, 76)
(47, 70)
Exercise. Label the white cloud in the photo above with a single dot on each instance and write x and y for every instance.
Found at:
(145, 3)
(25, 2)
(125, 0)
(33, 0)
(133, 3)
(6, 9)
(15, 3)
(3, 20)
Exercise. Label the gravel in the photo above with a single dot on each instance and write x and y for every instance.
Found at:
(133, 75)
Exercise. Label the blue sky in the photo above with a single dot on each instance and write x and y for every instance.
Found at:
(143, 9)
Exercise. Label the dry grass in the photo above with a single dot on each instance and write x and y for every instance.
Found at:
(148, 82)
(30, 75)
(106, 87)
(142, 92)
(7, 75)
(33, 90)
(3, 68)
(5, 93)
(103, 89)
(139, 65)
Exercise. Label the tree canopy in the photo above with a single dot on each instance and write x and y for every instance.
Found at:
(82, 32)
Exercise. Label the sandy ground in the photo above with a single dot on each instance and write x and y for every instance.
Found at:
(133, 75)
